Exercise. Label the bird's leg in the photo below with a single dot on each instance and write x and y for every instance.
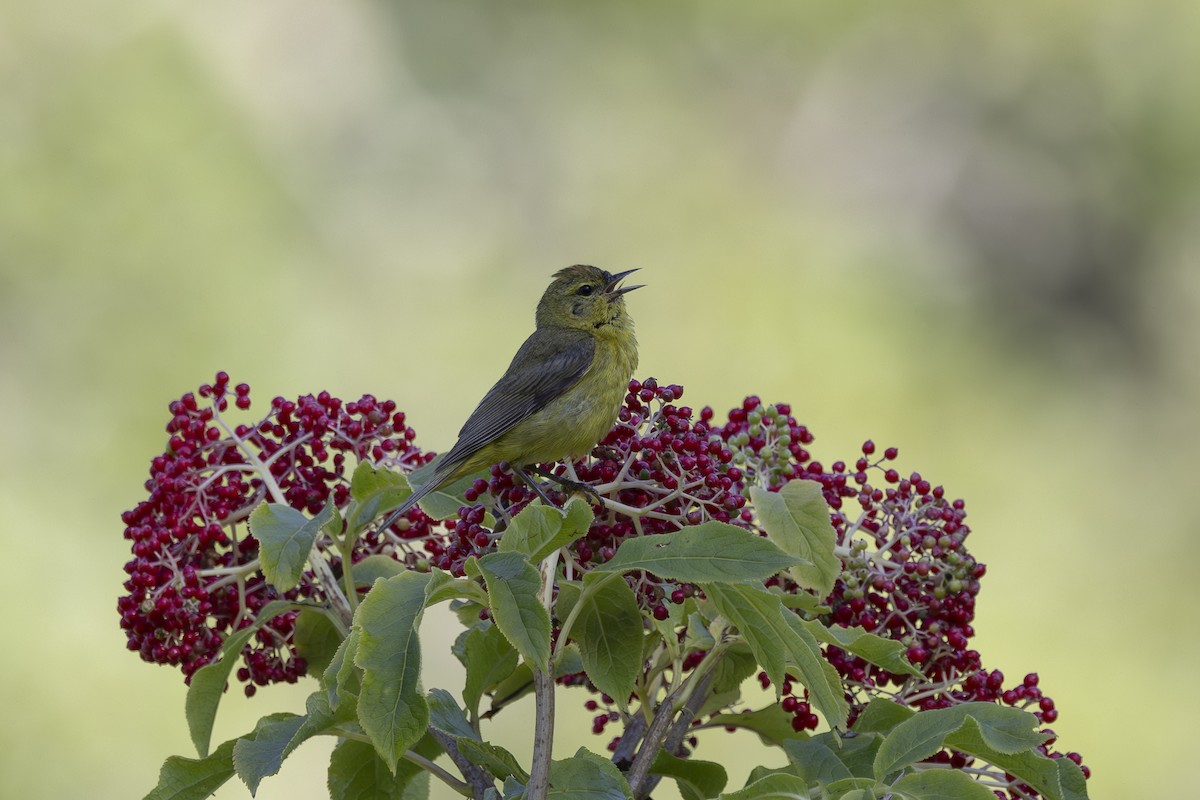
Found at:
(568, 484)
(533, 484)
(606, 452)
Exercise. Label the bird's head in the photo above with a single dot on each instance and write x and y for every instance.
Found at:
(587, 298)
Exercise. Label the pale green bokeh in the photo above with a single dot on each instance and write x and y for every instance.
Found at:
(965, 230)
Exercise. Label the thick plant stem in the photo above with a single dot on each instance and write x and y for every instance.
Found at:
(543, 693)
(543, 735)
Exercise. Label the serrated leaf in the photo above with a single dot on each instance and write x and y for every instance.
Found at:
(941, 784)
(1002, 730)
(854, 789)
(372, 568)
(495, 759)
(707, 553)
(447, 717)
(356, 772)
(513, 588)
(208, 682)
(880, 716)
(696, 779)
(698, 637)
(194, 778)
(285, 538)
(1071, 779)
(976, 737)
(587, 776)
(818, 675)
(340, 678)
(540, 530)
(375, 492)
(530, 530)
(815, 761)
(444, 586)
(609, 633)
(858, 753)
(391, 708)
(262, 753)
(797, 519)
(445, 502)
(886, 653)
(734, 666)
(778, 640)
(316, 639)
(489, 659)
(512, 688)
(772, 724)
(779, 786)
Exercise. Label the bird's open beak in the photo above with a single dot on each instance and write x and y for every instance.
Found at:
(612, 292)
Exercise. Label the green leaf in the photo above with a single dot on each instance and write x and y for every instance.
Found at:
(372, 568)
(447, 717)
(375, 492)
(880, 716)
(797, 519)
(194, 778)
(540, 530)
(316, 639)
(858, 753)
(855, 789)
(941, 784)
(208, 683)
(587, 776)
(513, 587)
(696, 779)
(732, 669)
(531, 530)
(707, 553)
(445, 502)
(818, 675)
(1072, 780)
(991, 728)
(511, 689)
(772, 724)
(285, 538)
(489, 659)
(779, 786)
(609, 633)
(979, 737)
(262, 753)
(886, 653)
(815, 761)
(577, 517)
(391, 708)
(443, 586)
(699, 637)
(356, 772)
(340, 679)
(495, 759)
(778, 639)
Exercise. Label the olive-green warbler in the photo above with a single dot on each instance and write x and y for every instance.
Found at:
(562, 391)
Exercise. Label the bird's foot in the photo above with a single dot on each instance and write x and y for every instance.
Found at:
(569, 485)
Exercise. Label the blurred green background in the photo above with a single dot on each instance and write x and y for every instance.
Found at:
(968, 230)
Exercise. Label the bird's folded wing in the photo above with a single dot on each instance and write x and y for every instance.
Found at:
(549, 363)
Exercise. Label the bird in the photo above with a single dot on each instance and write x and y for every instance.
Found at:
(562, 392)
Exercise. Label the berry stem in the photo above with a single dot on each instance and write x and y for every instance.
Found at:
(325, 576)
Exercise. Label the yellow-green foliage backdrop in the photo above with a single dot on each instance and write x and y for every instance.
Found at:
(965, 229)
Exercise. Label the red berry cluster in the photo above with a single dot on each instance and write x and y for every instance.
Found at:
(194, 578)
(906, 572)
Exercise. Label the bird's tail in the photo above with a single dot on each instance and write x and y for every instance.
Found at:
(430, 477)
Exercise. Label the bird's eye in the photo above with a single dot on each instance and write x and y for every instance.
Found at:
(585, 290)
